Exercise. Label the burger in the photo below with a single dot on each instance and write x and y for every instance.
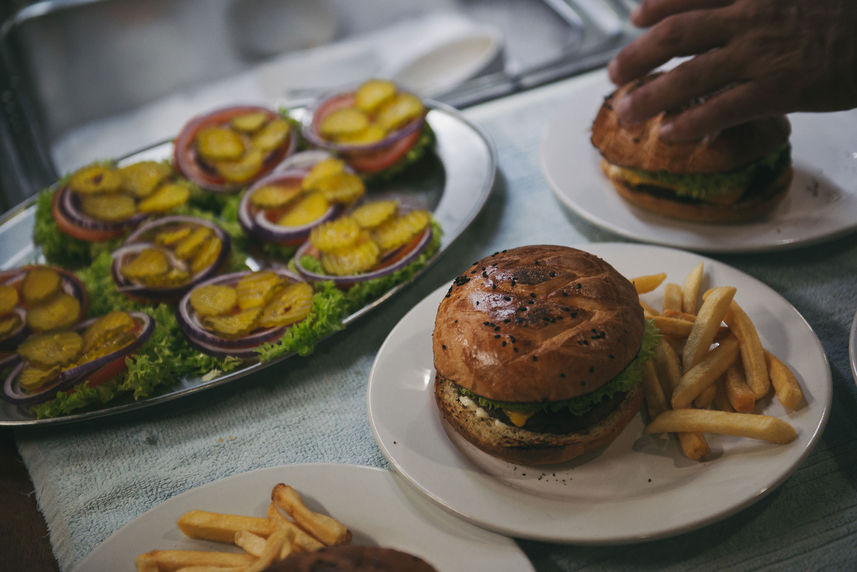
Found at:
(352, 558)
(539, 352)
(736, 175)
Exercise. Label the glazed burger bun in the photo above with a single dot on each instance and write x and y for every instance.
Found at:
(352, 559)
(525, 336)
(738, 174)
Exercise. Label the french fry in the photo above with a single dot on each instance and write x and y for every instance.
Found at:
(249, 542)
(680, 315)
(704, 399)
(751, 425)
(694, 445)
(647, 283)
(656, 402)
(271, 551)
(648, 310)
(706, 372)
(784, 381)
(721, 400)
(707, 324)
(302, 541)
(673, 326)
(210, 569)
(329, 530)
(172, 560)
(672, 298)
(740, 396)
(752, 354)
(691, 288)
(220, 527)
(145, 564)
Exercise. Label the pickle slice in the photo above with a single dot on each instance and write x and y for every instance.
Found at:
(188, 246)
(173, 277)
(113, 207)
(219, 144)
(375, 213)
(343, 121)
(244, 169)
(402, 109)
(397, 231)
(373, 93)
(166, 198)
(110, 326)
(95, 179)
(372, 134)
(149, 263)
(51, 349)
(355, 259)
(61, 311)
(40, 284)
(33, 378)
(140, 179)
(206, 255)
(8, 298)
(213, 299)
(272, 135)
(254, 289)
(233, 325)
(321, 170)
(343, 188)
(307, 209)
(9, 324)
(274, 196)
(173, 235)
(337, 233)
(288, 305)
(249, 122)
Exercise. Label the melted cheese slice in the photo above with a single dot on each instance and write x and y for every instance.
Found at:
(519, 419)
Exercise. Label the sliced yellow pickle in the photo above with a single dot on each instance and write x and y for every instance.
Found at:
(59, 312)
(307, 209)
(206, 255)
(374, 93)
(110, 326)
(166, 198)
(397, 231)
(244, 169)
(114, 207)
(333, 234)
(213, 299)
(375, 213)
(233, 325)
(9, 324)
(95, 179)
(173, 277)
(141, 179)
(355, 259)
(40, 284)
(322, 169)
(274, 196)
(51, 349)
(254, 289)
(402, 109)
(272, 135)
(372, 134)
(249, 122)
(288, 305)
(8, 298)
(219, 144)
(343, 188)
(150, 262)
(343, 121)
(33, 378)
(173, 235)
(188, 246)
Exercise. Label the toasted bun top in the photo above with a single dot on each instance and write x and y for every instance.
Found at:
(638, 145)
(537, 323)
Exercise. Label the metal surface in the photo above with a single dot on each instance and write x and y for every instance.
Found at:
(454, 184)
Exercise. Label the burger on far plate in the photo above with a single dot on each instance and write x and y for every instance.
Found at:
(539, 352)
(739, 174)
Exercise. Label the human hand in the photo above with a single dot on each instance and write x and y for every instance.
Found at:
(751, 58)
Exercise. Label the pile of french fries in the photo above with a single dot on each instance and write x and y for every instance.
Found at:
(289, 526)
(711, 370)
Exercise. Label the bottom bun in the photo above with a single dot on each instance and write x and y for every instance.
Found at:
(352, 558)
(759, 204)
(519, 445)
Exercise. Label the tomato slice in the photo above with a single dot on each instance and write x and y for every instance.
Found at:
(107, 372)
(380, 160)
(75, 231)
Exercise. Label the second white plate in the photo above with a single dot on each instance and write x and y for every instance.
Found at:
(821, 205)
(640, 487)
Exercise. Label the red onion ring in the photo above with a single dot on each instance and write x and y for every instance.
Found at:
(68, 206)
(12, 389)
(188, 164)
(209, 342)
(16, 336)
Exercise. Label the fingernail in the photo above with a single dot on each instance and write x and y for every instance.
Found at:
(623, 110)
(635, 13)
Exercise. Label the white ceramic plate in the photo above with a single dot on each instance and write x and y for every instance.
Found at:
(375, 504)
(852, 347)
(821, 205)
(640, 487)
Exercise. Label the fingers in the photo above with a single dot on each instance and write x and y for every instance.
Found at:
(650, 12)
(680, 35)
(739, 104)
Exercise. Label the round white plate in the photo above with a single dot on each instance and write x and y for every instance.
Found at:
(375, 504)
(640, 487)
(852, 347)
(821, 205)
